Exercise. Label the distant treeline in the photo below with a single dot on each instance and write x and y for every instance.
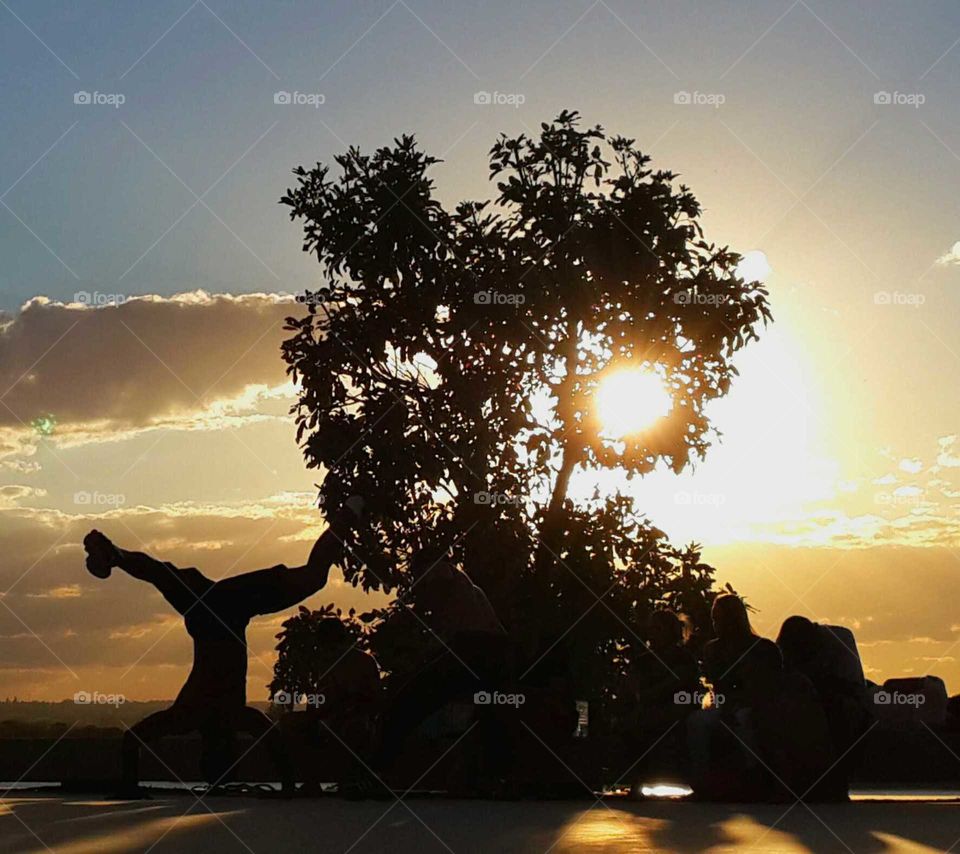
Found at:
(28, 719)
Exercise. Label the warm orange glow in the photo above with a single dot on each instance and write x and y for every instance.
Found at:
(630, 401)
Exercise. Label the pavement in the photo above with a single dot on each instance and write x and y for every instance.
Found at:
(182, 822)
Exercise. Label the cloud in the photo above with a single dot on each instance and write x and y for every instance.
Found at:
(950, 257)
(912, 465)
(79, 373)
(12, 494)
(64, 591)
(946, 458)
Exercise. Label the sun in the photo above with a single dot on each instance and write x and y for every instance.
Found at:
(630, 401)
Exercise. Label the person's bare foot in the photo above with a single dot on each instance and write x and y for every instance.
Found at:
(102, 555)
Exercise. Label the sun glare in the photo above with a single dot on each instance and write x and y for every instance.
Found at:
(630, 401)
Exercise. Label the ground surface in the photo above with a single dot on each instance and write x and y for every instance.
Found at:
(183, 823)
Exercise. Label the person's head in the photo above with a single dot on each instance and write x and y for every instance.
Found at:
(730, 618)
(665, 629)
(427, 559)
(331, 631)
(798, 640)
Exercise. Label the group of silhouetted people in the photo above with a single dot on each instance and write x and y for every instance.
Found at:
(749, 717)
(778, 720)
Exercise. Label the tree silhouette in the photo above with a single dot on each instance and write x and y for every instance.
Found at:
(423, 355)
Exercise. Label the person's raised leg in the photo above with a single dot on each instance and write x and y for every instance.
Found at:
(181, 588)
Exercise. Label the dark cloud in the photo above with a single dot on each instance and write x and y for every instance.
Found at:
(131, 364)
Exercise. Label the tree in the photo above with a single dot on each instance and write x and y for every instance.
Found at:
(423, 355)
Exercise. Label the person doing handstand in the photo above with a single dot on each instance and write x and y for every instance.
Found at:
(213, 700)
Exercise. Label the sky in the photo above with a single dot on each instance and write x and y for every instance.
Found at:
(147, 270)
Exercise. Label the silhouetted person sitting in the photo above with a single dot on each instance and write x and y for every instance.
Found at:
(827, 657)
(736, 653)
(741, 667)
(665, 676)
(351, 689)
(470, 652)
(340, 717)
(350, 684)
(780, 745)
(216, 613)
(665, 689)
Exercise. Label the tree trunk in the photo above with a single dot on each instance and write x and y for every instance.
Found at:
(550, 533)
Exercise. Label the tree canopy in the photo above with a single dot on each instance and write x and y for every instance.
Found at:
(450, 361)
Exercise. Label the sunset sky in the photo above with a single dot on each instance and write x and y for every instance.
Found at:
(821, 138)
